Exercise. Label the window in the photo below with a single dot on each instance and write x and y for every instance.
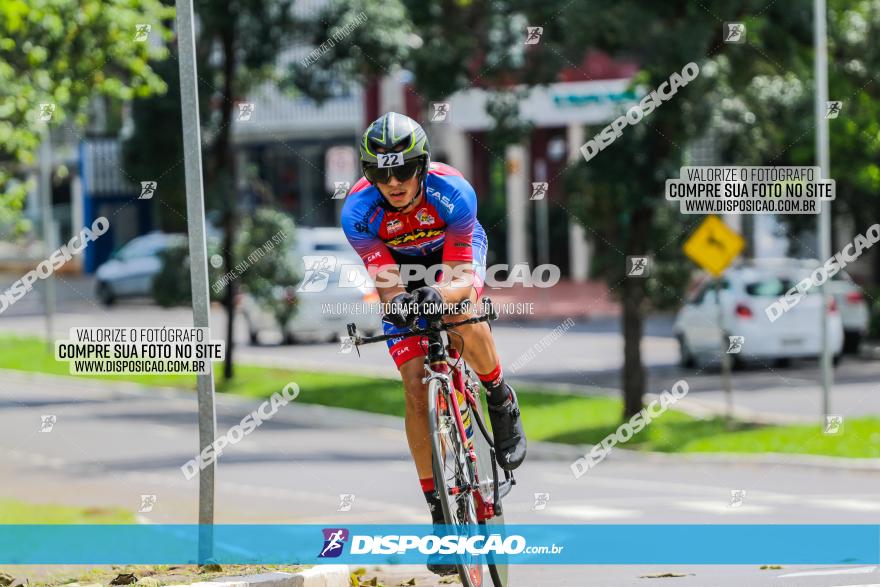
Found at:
(707, 287)
(772, 287)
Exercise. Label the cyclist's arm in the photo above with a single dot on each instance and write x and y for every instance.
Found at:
(459, 287)
(380, 265)
(458, 252)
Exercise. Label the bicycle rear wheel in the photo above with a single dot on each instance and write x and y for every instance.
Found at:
(454, 478)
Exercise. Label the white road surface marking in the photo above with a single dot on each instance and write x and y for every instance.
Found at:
(853, 571)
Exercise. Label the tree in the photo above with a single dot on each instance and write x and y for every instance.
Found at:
(270, 278)
(247, 36)
(64, 53)
(621, 189)
(618, 195)
(772, 120)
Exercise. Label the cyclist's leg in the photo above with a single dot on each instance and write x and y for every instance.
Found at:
(480, 353)
(408, 355)
(479, 346)
(417, 427)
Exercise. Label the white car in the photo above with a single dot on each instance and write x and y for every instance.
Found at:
(130, 270)
(854, 312)
(324, 308)
(746, 291)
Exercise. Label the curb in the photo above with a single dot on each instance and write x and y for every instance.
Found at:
(551, 451)
(320, 576)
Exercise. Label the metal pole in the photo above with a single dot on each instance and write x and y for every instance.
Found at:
(195, 212)
(823, 159)
(49, 244)
(725, 356)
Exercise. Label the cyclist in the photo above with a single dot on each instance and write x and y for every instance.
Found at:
(410, 212)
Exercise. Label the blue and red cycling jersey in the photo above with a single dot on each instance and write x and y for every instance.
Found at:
(444, 226)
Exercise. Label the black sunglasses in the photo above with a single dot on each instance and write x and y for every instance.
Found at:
(376, 174)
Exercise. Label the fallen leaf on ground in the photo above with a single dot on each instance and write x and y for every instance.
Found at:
(210, 568)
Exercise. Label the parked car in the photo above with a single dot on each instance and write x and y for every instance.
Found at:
(746, 291)
(131, 269)
(323, 312)
(854, 312)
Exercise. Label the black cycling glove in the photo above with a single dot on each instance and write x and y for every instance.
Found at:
(429, 302)
(401, 310)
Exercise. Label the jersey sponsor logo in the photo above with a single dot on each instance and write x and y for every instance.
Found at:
(393, 225)
(424, 217)
(412, 236)
(447, 203)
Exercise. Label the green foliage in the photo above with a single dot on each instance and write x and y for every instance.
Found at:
(443, 46)
(379, 35)
(65, 52)
(172, 286)
(269, 270)
(872, 293)
(765, 111)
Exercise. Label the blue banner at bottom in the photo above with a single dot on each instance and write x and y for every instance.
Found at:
(415, 544)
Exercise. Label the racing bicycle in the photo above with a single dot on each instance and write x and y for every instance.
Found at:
(466, 473)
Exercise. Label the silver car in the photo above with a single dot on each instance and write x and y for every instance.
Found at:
(131, 269)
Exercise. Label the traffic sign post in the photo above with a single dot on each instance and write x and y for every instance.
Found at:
(195, 220)
(714, 246)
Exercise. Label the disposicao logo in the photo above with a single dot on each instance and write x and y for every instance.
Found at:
(334, 542)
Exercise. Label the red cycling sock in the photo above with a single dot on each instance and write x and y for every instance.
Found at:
(432, 499)
(497, 392)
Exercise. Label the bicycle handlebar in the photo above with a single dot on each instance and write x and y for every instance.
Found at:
(435, 327)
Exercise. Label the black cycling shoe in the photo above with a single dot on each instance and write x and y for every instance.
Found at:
(508, 433)
(442, 570)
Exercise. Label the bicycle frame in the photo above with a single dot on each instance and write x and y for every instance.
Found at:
(485, 510)
(437, 366)
(446, 378)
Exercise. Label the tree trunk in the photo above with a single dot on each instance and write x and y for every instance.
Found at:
(632, 321)
(226, 184)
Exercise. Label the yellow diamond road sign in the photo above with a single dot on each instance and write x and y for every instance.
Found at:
(714, 245)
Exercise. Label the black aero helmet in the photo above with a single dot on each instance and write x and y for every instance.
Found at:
(394, 144)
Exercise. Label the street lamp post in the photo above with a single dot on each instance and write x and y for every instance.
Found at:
(820, 41)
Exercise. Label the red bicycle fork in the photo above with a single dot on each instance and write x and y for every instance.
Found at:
(485, 510)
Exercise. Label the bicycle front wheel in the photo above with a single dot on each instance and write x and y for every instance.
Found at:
(454, 478)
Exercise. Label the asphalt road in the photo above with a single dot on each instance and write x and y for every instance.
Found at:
(112, 443)
(586, 357)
